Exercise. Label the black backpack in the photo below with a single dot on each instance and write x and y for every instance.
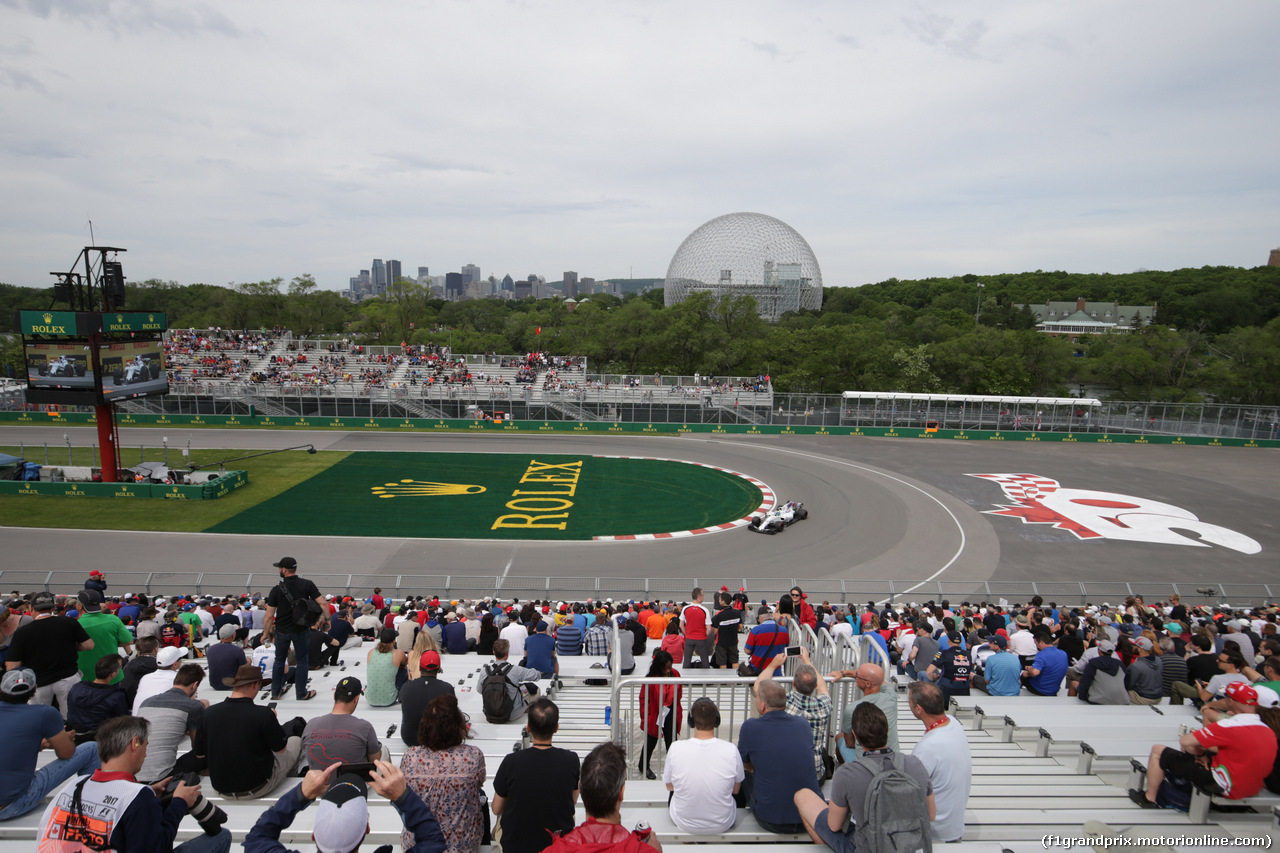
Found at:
(495, 699)
(303, 612)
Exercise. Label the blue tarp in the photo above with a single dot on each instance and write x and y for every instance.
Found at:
(6, 459)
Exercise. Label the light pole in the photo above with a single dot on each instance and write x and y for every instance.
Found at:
(977, 315)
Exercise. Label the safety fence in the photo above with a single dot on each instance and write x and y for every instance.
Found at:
(524, 588)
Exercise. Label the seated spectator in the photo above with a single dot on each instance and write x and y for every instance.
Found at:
(569, 639)
(385, 665)
(225, 657)
(1142, 675)
(342, 817)
(596, 641)
(869, 678)
(627, 641)
(1232, 664)
(1172, 666)
(28, 729)
(143, 664)
(540, 652)
(455, 635)
(826, 822)
(515, 633)
(340, 736)
(808, 699)
(673, 641)
(776, 750)
(1045, 674)
(168, 660)
(417, 694)
(923, 650)
(342, 636)
(519, 679)
(536, 789)
(129, 811)
(604, 774)
(1001, 671)
(949, 668)
(174, 716)
(703, 773)
(447, 773)
(1103, 680)
(92, 703)
(106, 630)
(486, 636)
(367, 624)
(944, 751)
(247, 751)
(1230, 758)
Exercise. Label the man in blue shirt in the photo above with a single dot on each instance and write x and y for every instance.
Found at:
(540, 652)
(777, 753)
(1044, 676)
(1001, 671)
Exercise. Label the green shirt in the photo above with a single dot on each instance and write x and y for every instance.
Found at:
(107, 633)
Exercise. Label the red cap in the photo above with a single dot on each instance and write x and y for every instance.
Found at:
(95, 574)
(429, 660)
(1240, 692)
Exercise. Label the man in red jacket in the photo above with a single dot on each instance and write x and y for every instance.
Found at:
(604, 772)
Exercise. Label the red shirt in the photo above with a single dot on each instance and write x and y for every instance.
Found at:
(1246, 753)
(695, 622)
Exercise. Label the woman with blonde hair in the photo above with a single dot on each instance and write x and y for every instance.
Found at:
(424, 643)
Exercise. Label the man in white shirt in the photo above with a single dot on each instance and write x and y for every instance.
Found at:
(168, 660)
(515, 634)
(944, 751)
(703, 773)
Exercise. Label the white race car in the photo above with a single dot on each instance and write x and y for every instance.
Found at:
(779, 518)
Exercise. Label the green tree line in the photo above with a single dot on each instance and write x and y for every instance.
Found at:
(1215, 336)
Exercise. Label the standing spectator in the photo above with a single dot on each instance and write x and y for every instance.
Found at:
(447, 773)
(536, 789)
(540, 652)
(696, 625)
(944, 750)
(287, 624)
(1044, 676)
(603, 784)
(157, 682)
(97, 582)
(868, 678)
(599, 635)
(385, 663)
(776, 750)
(108, 633)
(826, 822)
(341, 736)
(627, 664)
(807, 699)
(225, 657)
(92, 703)
(28, 728)
(727, 622)
(49, 645)
(417, 693)
(765, 641)
(248, 752)
(703, 773)
(659, 709)
(127, 813)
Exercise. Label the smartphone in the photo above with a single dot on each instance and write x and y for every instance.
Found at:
(793, 651)
(364, 770)
(271, 706)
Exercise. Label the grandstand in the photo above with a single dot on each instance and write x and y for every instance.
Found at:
(1041, 766)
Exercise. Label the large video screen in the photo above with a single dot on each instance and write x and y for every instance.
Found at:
(132, 369)
(59, 365)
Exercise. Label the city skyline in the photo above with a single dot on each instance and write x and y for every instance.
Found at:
(903, 141)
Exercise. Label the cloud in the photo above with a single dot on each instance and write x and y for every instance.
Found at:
(126, 16)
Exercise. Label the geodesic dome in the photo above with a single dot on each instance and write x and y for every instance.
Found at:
(747, 253)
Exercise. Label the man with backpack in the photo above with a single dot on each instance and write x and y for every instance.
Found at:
(293, 606)
(879, 790)
(505, 687)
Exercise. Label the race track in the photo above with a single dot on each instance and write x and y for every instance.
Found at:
(886, 509)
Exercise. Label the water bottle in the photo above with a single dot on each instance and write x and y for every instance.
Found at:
(608, 715)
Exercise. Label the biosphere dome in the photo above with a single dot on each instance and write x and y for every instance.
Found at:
(747, 253)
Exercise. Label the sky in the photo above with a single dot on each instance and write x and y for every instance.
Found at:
(242, 140)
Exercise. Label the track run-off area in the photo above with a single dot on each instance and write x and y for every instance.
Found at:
(905, 510)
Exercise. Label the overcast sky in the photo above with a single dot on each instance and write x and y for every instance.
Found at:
(242, 140)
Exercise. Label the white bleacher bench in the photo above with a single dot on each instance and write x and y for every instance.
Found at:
(1202, 801)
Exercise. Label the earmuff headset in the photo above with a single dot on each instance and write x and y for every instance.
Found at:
(696, 704)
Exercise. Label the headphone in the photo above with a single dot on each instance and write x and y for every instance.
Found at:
(699, 702)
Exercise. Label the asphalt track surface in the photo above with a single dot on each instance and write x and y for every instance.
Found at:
(885, 509)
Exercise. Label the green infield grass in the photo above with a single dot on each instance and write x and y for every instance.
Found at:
(268, 477)
(498, 496)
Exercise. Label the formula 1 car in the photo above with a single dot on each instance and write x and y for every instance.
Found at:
(139, 370)
(779, 518)
(62, 366)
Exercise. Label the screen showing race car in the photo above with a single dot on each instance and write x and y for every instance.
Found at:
(132, 369)
(62, 365)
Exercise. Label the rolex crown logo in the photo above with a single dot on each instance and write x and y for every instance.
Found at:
(421, 488)
(119, 318)
(48, 318)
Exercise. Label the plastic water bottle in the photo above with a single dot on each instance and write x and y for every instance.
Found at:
(608, 715)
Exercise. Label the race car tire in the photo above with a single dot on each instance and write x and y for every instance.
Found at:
(802, 515)
(79, 369)
(43, 370)
(117, 376)
(153, 371)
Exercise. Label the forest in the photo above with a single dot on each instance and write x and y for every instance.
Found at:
(1215, 335)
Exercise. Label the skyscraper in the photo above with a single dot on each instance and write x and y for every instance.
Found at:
(393, 271)
(570, 285)
(379, 276)
(455, 285)
(423, 274)
(507, 283)
(471, 272)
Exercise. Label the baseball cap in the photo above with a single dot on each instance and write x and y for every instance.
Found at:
(95, 574)
(226, 632)
(429, 660)
(1106, 647)
(1143, 643)
(18, 682)
(999, 640)
(89, 599)
(388, 635)
(1267, 698)
(286, 563)
(170, 655)
(342, 815)
(1238, 691)
(347, 689)
(42, 601)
